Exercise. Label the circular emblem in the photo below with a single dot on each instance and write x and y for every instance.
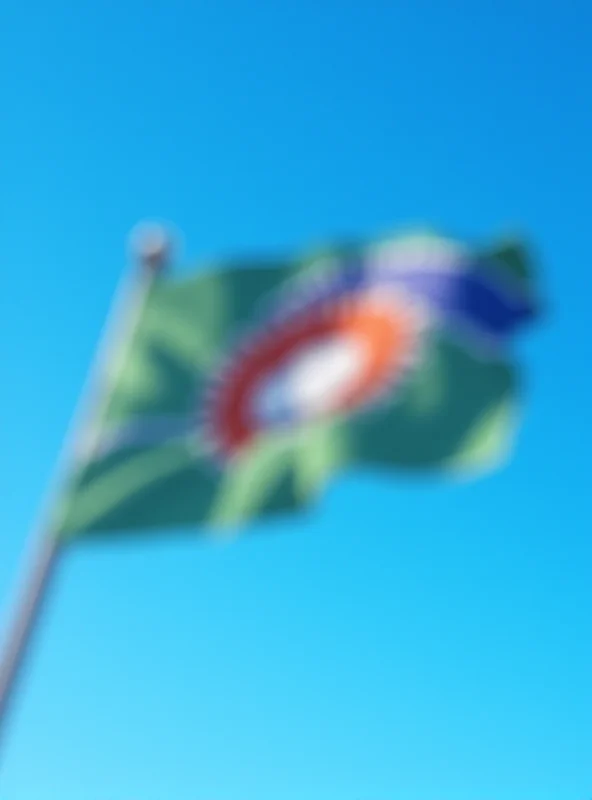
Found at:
(330, 358)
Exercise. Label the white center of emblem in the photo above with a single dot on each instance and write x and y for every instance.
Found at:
(311, 383)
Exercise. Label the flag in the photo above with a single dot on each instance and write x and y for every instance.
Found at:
(246, 387)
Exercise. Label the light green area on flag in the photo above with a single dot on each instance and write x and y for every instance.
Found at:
(456, 413)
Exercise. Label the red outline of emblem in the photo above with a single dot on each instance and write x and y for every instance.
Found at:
(387, 321)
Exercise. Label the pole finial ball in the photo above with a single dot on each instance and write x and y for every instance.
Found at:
(150, 245)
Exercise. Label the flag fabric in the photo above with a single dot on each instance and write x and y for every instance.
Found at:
(247, 387)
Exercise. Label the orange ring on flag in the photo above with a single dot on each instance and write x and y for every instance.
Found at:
(386, 328)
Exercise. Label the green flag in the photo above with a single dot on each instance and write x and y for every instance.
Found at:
(246, 387)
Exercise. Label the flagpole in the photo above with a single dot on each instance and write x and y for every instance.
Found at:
(151, 252)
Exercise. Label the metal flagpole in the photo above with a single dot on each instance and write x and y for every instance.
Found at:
(151, 249)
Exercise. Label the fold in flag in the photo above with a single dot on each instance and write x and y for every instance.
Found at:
(245, 388)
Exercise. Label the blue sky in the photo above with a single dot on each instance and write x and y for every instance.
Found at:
(410, 642)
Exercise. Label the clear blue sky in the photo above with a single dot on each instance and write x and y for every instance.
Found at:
(424, 642)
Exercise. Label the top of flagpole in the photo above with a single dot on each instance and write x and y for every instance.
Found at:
(151, 247)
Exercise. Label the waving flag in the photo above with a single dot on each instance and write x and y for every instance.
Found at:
(247, 387)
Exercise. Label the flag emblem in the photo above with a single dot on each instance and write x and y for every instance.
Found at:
(329, 358)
